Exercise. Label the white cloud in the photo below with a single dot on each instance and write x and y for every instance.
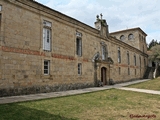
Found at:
(119, 14)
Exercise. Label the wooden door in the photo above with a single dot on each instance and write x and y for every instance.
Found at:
(103, 75)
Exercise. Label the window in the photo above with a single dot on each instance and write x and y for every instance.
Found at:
(128, 59)
(79, 69)
(139, 37)
(128, 71)
(0, 22)
(79, 46)
(144, 62)
(0, 7)
(130, 36)
(145, 39)
(135, 60)
(122, 37)
(135, 72)
(47, 35)
(142, 38)
(119, 70)
(104, 52)
(140, 61)
(119, 55)
(46, 67)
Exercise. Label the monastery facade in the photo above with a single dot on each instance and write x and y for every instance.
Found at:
(43, 50)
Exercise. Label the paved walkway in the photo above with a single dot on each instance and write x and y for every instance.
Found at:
(140, 90)
(13, 99)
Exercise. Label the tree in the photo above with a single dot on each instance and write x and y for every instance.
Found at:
(153, 43)
(154, 53)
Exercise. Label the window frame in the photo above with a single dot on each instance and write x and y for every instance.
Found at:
(104, 52)
(128, 58)
(47, 35)
(0, 7)
(128, 71)
(140, 62)
(119, 70)
(144, 62)
(130, 36)
(48, 67)
(135, 60)
(122, 37)
(119, 55)
(79, 68)
(140, 37)
(79, 46)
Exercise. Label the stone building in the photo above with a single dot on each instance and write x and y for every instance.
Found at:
(43, 50)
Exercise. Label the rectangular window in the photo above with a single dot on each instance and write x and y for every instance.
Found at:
(128, 59)
(119, 55)
(144, 62)
(46, 67)
(135, 60)
(128, 71)
(140, 61)
(119, 70)
(135, 72)
(47, 35)
(79, 69)
(0, 7)
(104, 52)
(0, 22)
(79, 46)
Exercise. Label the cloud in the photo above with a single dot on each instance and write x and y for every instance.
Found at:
(119, 14)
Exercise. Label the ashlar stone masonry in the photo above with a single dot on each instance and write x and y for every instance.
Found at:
(43, 50)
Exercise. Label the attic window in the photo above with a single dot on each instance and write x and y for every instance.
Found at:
(122, 37)
(130, 36)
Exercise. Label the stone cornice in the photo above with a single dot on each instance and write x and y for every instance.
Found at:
(131, 29)
(56, 14)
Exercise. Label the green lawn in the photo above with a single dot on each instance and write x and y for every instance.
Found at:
(103, 105)
(150, 85)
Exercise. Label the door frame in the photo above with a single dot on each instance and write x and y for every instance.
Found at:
(104, 75)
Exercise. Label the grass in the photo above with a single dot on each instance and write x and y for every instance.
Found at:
(103, 105)
(150, 85)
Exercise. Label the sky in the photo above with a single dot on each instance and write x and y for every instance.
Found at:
(119, 14)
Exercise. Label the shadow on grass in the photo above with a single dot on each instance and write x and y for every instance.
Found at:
(18, 112)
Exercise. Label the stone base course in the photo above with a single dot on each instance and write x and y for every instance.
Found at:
(43, 89)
